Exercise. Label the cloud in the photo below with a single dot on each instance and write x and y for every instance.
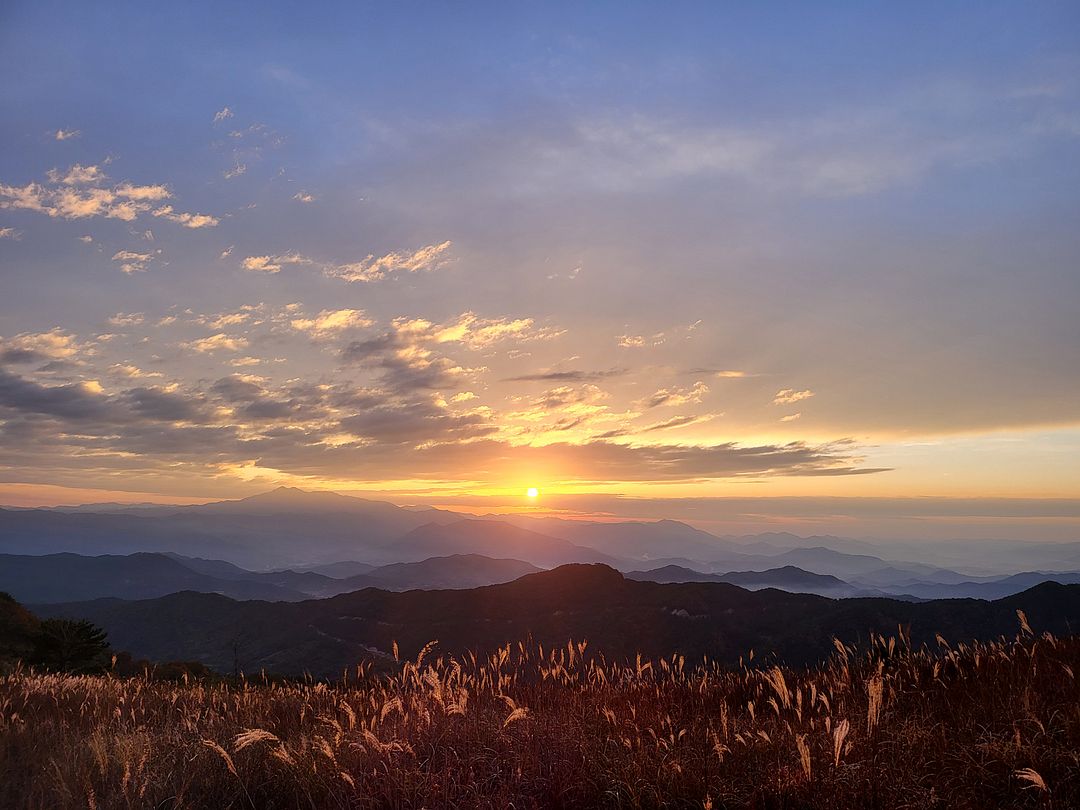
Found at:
(411, 352)
(185, 219)
(415, 422)
(557, 410)
(239, 388)
(790, 395)
(272, 264)
(126, 318)
(566, 396)
(331, 321)
(66, 134)
(223, 115)
(792, 417)
(81, 193)
(474, 331)
(666, 424)
(132, 262)
(262, 264)
(406, 365)
(337, 430)
(9, 233)
(568, 376)
(225, 319)
(839, 152)
(723, 374)
(372, 268)
(36, 347)
(166, 404)
(675, 396)
(235, 171)
(218, 342)
(72, 401)
(77, 175)
(304, 197)
(676, 422)
(144, 193)
(129, 371)
(369, 269)
(639, 341)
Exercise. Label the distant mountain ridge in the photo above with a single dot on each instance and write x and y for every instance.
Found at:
(494, 537)
(66, 577)
(303, 535)
(787, 578)
(618, 616)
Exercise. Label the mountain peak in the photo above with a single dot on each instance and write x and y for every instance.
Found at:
(292, 493)
(582, 577)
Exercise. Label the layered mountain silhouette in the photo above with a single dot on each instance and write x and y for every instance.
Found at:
(490, 538)
(289, 544)
(787, 578)
(69, 577)
(618, 616)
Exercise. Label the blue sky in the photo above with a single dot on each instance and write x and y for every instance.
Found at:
(444, 251)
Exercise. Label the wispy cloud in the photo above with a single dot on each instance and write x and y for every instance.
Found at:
(66, 134)
(126, 319)
(186, 219)
(790, 395)
(568, 376)
(272, 264)
(675, 396)
(371, 268)
(131, 261)
(132, 372)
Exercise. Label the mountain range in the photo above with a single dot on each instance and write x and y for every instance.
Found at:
(310, 542)
(617, 615)
(70, 577)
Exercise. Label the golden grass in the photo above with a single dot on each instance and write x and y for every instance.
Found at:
(975, 725)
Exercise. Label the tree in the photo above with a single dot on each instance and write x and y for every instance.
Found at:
(18, 632)
(67, 645)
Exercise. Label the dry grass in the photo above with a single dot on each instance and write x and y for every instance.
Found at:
(983, 725)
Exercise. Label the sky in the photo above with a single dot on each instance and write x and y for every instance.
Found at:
(755, 266)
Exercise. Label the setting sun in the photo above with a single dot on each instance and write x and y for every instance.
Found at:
(774, 298)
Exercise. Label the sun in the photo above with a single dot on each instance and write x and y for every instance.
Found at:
(532, 492)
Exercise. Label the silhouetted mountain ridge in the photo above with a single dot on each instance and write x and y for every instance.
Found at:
(618, 616)
(66, 577)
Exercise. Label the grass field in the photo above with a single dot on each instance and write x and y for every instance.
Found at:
(959, 726)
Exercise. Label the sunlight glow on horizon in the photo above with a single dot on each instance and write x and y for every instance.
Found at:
(699, 280)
